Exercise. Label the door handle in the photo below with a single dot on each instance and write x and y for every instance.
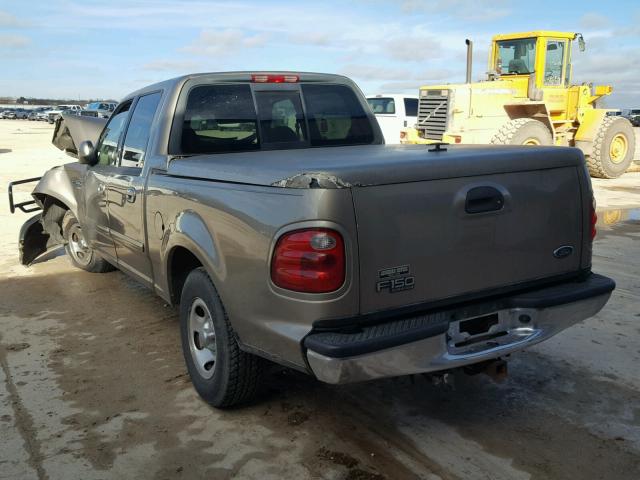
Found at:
(101, 188)
(131, 194)
(483, 199)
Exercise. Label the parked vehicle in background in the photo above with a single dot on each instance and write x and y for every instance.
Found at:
(6, 112)
(394, 113)
(43, 116)
(36, 113)
(60, 109)
(17, 113)
(361, 260)
(633, 115)
(98, 109)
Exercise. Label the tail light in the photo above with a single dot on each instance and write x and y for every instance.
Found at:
(268, 78)
(310, 260)
(594, 218)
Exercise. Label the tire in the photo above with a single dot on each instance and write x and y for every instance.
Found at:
(82, 256)
(227, 376)
(523, 131)
(613, 148)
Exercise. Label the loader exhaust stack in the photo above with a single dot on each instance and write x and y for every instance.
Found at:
(469, 58)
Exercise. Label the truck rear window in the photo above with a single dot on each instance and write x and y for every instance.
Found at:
(382, 105)
(335, 116)
(224, 118)
(219, 118)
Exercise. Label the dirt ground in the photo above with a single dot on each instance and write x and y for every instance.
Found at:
(93, 384)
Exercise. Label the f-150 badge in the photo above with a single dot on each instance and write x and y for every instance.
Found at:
(395, 279)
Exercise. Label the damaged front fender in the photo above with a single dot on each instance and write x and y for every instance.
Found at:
(33, 240)
(41, 232)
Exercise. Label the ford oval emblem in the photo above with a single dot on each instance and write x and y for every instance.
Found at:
(562, 252)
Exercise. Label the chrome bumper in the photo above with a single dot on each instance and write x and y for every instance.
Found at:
(516, 329)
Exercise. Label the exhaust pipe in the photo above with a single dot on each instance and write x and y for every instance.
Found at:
(469, 58)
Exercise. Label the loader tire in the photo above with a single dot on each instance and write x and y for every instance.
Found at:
(523, 131)
(613, 148)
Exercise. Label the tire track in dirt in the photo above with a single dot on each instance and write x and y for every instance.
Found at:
(24, 422)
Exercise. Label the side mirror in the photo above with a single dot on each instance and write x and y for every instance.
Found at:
(87, 153)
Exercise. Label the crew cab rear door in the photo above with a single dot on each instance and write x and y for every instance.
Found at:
(125, 189)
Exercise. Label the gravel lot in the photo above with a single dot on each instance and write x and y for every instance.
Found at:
(93, 384)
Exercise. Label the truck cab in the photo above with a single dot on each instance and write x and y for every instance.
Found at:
(394, 113)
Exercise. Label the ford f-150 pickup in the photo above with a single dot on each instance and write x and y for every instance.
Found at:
(268, 208)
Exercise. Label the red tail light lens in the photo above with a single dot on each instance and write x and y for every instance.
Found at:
(310, 260)
(265, 78)
(594, 218)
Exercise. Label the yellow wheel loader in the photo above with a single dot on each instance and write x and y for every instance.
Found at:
(527, 99)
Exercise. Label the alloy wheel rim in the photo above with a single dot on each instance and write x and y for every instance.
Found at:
(202, 338)
(78, 245)
(618, 148)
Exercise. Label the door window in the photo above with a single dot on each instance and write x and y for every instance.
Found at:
(553, 65)
(109, 138)
(137, 137)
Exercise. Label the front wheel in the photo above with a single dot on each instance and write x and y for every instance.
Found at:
(613, 148)
(523, 131)
(79, 251)
(222, 374)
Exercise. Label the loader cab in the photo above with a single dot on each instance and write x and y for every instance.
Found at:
(538, 63)
(545, 54)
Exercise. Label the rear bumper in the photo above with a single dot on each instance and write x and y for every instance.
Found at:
(445, 340)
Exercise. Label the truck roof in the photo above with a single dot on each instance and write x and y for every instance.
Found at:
(392, 95)
(534, 33)
(240, 76)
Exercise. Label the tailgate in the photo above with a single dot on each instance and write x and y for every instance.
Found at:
(430, 240)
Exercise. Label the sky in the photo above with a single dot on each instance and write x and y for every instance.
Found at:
(86, 49)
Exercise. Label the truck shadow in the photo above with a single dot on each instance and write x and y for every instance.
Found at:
(115, 369)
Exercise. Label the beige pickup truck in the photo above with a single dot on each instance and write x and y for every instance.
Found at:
(267, 207)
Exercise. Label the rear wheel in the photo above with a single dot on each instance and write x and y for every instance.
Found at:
(613, 148)
(79, 251)
(523, 131)
(220, 371)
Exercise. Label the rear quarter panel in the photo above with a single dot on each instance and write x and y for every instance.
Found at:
(232, 229)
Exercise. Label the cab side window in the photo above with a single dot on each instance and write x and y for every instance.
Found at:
(107, 150)
(411, 107)
(553, 65)
(137, 136)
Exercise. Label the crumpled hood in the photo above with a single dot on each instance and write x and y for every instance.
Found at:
(344, 167)
(72, 130)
